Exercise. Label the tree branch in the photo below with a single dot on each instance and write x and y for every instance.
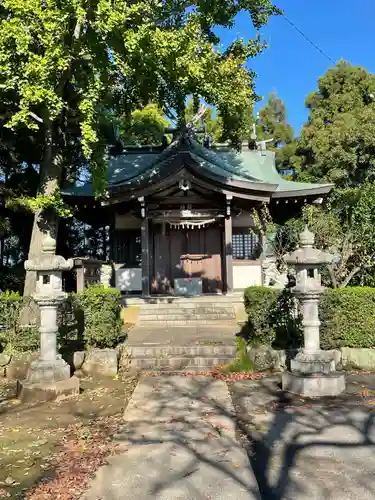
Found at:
(351, 275)
(332, 276)
(36, 117)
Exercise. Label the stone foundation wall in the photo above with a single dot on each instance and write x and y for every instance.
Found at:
(106, 362)
(266, 358)
(363, 359)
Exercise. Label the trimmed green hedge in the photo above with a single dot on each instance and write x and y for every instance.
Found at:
(100, 310)
(347, 318)
(15, 338)
(271, 318)
(88, 319)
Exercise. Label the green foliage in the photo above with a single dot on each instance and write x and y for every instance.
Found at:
(103, 327)
(272, 124)
(76, 59)
(343, 226)
(213, 124)
(337, 144)
(146, 126)
(259, 301)
(273, 319)
(242, 363)
(13, 337)
(348, 318)
(47, 203)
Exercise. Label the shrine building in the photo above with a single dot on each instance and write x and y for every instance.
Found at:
(180, 216)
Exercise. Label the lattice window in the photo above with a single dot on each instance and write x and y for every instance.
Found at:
(127, 248)
(245, 246)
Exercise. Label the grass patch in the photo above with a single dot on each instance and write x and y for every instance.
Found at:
(242, 363)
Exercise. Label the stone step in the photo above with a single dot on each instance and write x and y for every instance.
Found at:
(186, 313)
(167, 322)
(187, 306)
(183, 316)
(168, 300)
(199, 313)
(178, 363)
(204, 350)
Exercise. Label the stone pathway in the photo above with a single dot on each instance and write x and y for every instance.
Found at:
(320, 449)
(182, 335)
(178, 443)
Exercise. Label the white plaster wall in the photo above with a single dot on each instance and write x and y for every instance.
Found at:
(246, 275)
(127, 222)
(128, 280)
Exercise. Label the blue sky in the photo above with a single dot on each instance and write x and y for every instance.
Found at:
(290, 65)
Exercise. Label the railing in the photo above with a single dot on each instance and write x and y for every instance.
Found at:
(90, 271)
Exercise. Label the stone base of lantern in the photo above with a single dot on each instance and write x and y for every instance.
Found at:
(47, 391)
(48, 371)
(47, 380)
(315, 362)
(314, 384)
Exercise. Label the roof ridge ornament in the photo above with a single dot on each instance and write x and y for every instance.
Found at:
(262, 146)
(186, 130)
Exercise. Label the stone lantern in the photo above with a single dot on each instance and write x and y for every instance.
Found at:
(49, 375)
(312, 371)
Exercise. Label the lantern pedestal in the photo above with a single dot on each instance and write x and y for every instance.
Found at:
(47, 390)
(314, 384)
(313, 372)
(317, 362)
(48, 376)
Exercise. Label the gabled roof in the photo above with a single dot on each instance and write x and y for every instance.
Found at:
(248, 170)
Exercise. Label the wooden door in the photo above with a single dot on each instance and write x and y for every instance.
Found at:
(161, 280)
(194, 253)
(212, 279)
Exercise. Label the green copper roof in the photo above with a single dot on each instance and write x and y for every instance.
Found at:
(136, 167)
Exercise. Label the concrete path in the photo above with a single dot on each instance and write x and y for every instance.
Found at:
(308, 450)
(178, 444)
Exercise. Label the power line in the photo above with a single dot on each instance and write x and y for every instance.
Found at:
(308, 39)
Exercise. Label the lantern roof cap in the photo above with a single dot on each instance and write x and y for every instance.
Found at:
(307, 254)
(48, 244)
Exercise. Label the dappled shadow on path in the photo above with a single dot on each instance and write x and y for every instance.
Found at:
(307, 449)
(179, 441)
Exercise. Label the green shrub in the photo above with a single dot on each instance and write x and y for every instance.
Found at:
(101, 310)
(271, 318)
(15, 338)
(242, 363)
(259, 302)
(347, 318)
(71, 326)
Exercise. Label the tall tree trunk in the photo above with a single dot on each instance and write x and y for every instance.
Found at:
(50, 175)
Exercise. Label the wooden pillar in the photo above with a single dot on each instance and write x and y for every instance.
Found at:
(228, 254)
(145, 245)
(228, 247)
(112, 238)
(80, 277)
(263, 244)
